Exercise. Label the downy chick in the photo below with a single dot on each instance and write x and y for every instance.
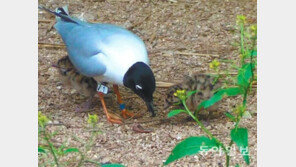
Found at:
(205, 86)
(71, 77)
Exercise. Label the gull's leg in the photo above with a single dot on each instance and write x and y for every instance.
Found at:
(125, 113)
(110, 117)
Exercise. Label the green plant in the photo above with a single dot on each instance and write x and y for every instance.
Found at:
(57, 152)
(241, 87)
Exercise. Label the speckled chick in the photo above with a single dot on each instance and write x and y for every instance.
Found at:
(72, 78)
(205, 86)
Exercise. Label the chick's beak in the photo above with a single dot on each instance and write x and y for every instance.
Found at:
(150, 108)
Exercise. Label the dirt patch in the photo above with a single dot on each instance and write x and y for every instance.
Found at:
(170, 30)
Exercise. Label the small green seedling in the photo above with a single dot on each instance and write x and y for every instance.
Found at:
(57, 152)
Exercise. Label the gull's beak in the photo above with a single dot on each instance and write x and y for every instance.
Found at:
(150, 108)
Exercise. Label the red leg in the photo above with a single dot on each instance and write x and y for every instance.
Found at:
(125, 113)
(110, 117)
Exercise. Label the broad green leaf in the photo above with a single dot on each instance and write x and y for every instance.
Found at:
(254, 53)
(190, 93)
(190, 146)
(237, 165)
(71, 150)
(214, 99)
(41, 150)
(230, 116)
(240, 138)
(244, 75)
(112, 165)
(251, 53)
(232, 91)
(175, 112)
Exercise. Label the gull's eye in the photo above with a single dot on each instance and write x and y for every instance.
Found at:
(138, 87)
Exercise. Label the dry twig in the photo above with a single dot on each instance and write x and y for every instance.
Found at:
(45, 21)
(161, 84)
(138, 128)
(49, 45)
(51, 25)
(188, 53)
(138, 23)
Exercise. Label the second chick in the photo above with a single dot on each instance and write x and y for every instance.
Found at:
(205, 86)
(83, 84)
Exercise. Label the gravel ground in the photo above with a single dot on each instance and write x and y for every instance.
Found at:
(170, 29)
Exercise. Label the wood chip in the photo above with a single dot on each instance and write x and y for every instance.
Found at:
(138, 128)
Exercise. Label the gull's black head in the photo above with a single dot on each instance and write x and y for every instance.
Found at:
(140, 79)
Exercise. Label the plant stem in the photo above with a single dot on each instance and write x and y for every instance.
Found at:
(242, 42)
(227, 158)
(91, 140)
(94, 162)
(208, 133)
(88, 145)
(198, 122)
(51, 147)
(81, 159)
(248, 88)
